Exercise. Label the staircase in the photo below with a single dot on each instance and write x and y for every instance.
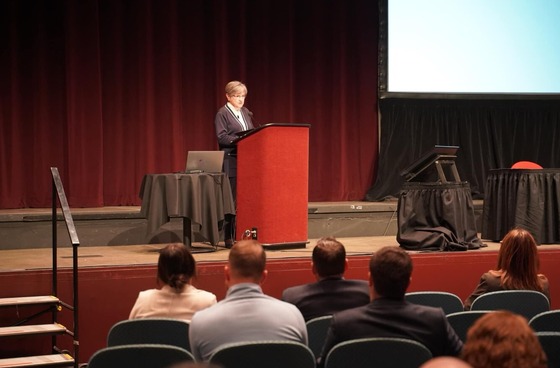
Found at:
(51, 303)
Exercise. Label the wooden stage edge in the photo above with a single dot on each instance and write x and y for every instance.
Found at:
(147, 254)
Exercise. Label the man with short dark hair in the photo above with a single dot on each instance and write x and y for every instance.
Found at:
(389, 315)
(246, 314)
(331, 292)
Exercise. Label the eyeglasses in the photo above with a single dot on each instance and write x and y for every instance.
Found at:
(238, 96)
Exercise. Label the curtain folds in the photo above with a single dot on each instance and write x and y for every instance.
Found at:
(491, 134)
(110, 90)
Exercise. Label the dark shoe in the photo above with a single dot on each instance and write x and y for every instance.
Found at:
(229, 243)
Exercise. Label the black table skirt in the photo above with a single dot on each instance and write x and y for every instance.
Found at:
(529, 199)
(437, 217)
(205, 199)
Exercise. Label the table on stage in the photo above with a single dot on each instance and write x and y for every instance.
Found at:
(522, 198)
(200, 199)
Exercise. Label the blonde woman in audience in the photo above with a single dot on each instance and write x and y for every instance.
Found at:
(517, 269)
(503, 340)
(177, 298)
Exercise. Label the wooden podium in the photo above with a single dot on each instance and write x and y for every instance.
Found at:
(272, 185)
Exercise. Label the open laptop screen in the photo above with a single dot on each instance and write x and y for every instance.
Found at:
(204, 161)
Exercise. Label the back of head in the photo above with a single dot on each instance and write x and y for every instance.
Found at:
(329, 257)
(518, 260)
(503, 339)
(247, 260)
(176, 266)
(390, 269)
(445, 362)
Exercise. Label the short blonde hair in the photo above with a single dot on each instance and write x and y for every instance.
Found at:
(235, 87)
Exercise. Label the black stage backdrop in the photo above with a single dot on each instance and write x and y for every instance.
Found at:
(109, 90)
(490, 133)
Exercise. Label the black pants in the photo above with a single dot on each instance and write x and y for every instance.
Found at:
(229, 221)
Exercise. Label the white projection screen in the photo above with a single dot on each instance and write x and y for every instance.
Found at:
(480, 47)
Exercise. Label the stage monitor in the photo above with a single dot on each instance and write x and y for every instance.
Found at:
(419, 166)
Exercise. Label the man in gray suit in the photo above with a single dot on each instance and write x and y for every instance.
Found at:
(246, 314)
(389, 315)
(331, 292)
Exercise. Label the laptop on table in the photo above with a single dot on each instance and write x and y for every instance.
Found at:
(204, 162)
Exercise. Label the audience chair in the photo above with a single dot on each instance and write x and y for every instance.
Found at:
(548, 321)
(526, 165)
(269, 354)
(167, 331)
(550, 342)
(450, 303)
(527, 303)
(139, 356)
(462, 321)
(379, 352)
(317, 329)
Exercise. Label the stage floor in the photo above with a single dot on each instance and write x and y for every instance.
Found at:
(356, 220)
(147, 254)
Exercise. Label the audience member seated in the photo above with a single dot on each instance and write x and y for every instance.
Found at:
(331, 293)
(501, 340)
(177, 298)
(445, 362)
(389, 314)
(246, 313)
(517, 268)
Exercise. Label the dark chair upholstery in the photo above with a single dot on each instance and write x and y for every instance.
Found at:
(269, 354)
(317, 329)
(449, 302)
(166, 331)
(462, 321)
(139, 356)
(527, 303)
(550, 342)
(378, 352)
(546, 321)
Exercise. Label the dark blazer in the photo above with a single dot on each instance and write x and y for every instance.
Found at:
(227, 126)
(385, 317)
(327, 296)
(493, 282)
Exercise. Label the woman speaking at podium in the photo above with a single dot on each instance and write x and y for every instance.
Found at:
(232, 119)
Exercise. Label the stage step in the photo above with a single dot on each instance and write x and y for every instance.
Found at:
(52, 328)
(28, 300)
(52, 360)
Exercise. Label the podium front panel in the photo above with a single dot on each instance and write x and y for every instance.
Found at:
(272, 184)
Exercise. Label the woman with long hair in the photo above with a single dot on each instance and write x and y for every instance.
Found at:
(177, 298)
(517, 268)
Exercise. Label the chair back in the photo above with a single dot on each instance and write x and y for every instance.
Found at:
(546, 321)
(527, 303)
(139, 356)
(269, 354)
(379, 352)
(317, 329)
(449, 302)
(462, 321)
(550, 342)
(526, 165)
(167, 331)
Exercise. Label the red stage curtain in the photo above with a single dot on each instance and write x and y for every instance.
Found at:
(109, 90)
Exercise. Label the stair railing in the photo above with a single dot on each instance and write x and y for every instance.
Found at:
(58, 192)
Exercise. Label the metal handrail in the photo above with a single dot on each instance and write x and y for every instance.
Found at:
(58, 191)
